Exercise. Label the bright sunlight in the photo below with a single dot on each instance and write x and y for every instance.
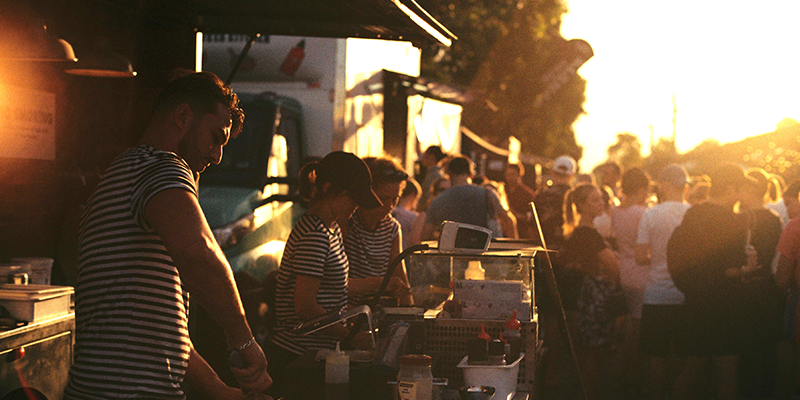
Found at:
(731, 69)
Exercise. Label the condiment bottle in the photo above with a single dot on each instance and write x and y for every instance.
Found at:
(497, 355)
(337, 375)
(415, 380)
(512, 336)
(477, 351)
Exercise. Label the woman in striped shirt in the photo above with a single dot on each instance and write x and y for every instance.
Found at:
(312, 278)
(373, 237)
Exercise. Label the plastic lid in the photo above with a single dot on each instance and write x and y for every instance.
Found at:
(513, 322)
(416, 359)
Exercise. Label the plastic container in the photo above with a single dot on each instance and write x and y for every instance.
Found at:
(337, 375)
(415, 380)
(502, 377)
(36, 302)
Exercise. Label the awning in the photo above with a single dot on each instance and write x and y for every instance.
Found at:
(374, 19)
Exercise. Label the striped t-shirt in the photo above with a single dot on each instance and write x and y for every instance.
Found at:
(132, 336)
(369, 252)
(312, 250)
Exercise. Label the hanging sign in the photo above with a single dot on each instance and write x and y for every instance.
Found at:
(28, 119)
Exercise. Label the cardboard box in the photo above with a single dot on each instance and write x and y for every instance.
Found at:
(493, 309)
(508, 291)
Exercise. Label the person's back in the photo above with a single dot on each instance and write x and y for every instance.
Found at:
(126, 279)
(467, 204)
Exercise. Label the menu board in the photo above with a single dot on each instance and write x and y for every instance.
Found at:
(27, 118)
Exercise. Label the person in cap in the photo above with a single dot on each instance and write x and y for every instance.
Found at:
(145, 246)
(662, 308)
(312, 277)
(702, 252)
(550, 202)
(373, 238)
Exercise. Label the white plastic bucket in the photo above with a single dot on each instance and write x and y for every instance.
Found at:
(502, 377)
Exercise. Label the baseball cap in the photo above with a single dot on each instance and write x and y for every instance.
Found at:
(730, 174)
(564, 165)
(674, 174)
(347, 171)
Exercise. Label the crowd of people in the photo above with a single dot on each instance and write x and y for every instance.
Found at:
(698, 271)
(674, 287)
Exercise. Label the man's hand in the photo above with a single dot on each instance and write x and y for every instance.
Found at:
(253, 377)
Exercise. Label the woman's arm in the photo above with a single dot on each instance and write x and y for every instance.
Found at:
(306, 306)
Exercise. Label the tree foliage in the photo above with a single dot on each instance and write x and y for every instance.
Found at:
(627, 151)
(502, 52)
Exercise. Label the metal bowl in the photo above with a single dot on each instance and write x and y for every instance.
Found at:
(476, 392)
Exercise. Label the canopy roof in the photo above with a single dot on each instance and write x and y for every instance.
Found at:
(375, 19)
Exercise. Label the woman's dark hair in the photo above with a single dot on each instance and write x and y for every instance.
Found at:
(202, 91)
(307, 181)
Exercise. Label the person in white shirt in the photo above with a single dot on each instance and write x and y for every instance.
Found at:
(662, 301)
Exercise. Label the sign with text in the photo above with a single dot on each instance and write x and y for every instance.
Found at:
(27, 118)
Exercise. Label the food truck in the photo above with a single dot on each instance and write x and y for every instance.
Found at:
(69, 126)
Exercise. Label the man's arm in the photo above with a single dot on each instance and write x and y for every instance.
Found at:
(176, 216)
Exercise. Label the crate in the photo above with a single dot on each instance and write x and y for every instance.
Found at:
(446, 343)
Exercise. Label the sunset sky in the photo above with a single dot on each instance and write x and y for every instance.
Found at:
(733, 70)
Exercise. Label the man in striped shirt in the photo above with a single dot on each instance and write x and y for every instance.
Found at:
(145, 245)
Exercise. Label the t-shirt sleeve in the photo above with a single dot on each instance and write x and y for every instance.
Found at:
(310, 253)
(164, 171)
(790, 240)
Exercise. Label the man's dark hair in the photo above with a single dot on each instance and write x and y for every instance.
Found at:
(436, 152)
(202, 91)
(459, 165)
(633, 180)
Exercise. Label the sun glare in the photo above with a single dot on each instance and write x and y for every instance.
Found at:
(730, 69)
